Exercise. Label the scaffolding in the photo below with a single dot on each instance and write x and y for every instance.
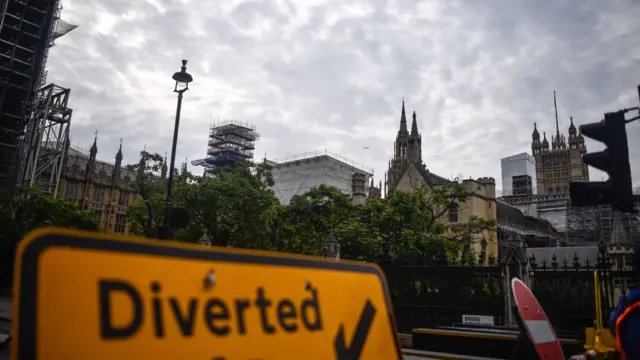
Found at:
(588, 225)
(550, 207)
(230, 142)
(296, 175)
(318, 153)
(26, 29)
(48, 136)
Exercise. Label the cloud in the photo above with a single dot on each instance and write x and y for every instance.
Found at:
(316, 74)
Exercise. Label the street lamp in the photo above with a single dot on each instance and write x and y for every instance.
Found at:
(182, 78)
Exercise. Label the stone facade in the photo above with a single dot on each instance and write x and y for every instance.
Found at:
(560, 164)
(105, 189)
(407, 172)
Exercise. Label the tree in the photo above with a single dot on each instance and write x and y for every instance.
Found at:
(146, 216)
(21, 215)
(237, 208)
(142, 215)
(405, 226)
(310, 217)
(438, 203)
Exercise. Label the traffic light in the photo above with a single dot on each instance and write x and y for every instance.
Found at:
(614, 160)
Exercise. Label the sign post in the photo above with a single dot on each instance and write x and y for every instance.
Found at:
(536, 322)
(81, 295)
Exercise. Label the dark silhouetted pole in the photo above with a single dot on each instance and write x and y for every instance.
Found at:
(182, 79)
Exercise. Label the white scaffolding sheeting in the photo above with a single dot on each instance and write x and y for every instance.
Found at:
(62, 28)
(297, 177)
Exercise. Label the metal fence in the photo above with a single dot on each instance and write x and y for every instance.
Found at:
(565, 287)
(439, 293)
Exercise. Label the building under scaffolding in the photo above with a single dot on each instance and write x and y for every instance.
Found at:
(48, 137)
(582, 226)
(27, 30)
(296, 175)
(590, 225)
(549, 207)
(230, 142)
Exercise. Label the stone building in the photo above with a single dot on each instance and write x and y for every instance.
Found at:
(407, 172)
(560, 164)
(516, 227)
(297, 174)
(105, 189)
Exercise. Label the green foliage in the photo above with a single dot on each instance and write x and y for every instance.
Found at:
(237, 209)
(21, 215)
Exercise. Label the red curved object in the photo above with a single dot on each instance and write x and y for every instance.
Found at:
(536, 322)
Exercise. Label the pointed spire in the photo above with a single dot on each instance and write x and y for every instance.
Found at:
(119, 154)
(94, 147)
(414, 125)
(555, 106)
(403, 119)
(572, 128)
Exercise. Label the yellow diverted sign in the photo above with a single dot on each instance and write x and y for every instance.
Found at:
(96, 296)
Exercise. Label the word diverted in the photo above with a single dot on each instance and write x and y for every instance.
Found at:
(221, 317)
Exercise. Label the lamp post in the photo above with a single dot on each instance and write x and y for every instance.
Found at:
(182, 78)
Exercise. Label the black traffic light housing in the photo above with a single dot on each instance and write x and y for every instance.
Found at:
(614, 160)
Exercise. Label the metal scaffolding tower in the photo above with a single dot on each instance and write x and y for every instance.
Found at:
(26, 29)
(230, 142)
(48, 135)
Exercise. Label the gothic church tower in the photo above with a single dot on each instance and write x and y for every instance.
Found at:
(407, 149)
(406, 168)
(557, 166)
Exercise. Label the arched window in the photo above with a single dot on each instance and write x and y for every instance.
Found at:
(454, 208)
(483, 252)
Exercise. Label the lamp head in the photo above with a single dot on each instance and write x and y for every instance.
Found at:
(182, 78)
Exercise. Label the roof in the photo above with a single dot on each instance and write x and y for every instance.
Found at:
(317, 155)
(521, 156)
(511, 214)
(76, 156)
(431, 178)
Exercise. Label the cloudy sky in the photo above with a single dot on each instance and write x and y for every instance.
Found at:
(321, 74)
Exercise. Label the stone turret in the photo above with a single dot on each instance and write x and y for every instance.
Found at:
(358, 193)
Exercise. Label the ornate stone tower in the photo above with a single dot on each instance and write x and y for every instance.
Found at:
(407, 149)
(561, 164)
